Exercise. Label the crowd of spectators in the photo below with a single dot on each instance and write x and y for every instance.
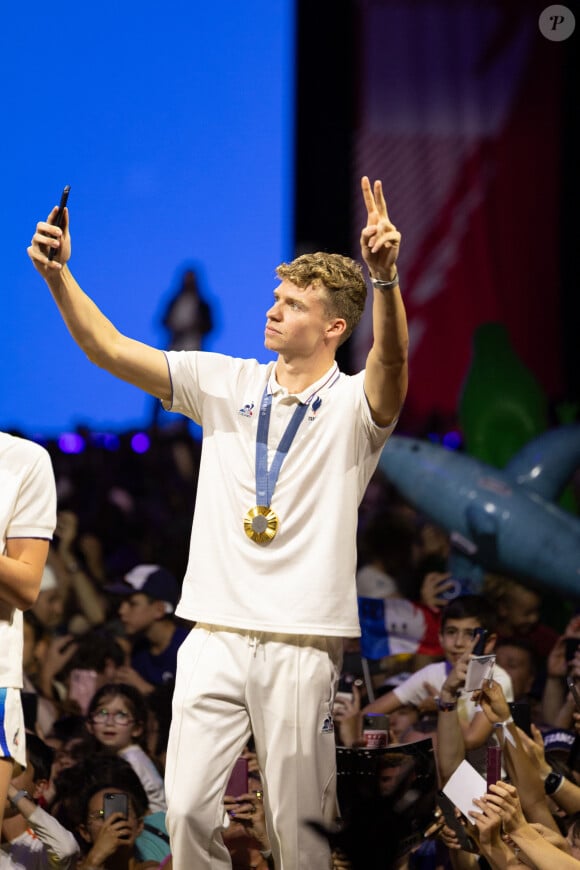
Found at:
(100, 646)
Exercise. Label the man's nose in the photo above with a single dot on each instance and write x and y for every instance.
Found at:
(273, 313)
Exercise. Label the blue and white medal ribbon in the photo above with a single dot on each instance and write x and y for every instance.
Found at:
(261, 522)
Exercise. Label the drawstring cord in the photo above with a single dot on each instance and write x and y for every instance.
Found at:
(254, 641)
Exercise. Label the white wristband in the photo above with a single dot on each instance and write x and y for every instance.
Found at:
(504, 727)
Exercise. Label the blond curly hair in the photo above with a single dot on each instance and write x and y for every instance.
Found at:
(340, 277)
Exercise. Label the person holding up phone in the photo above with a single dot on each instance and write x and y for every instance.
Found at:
(462, 620)
(112, 821)
(27, 522)
(246, 836)
(289, 447)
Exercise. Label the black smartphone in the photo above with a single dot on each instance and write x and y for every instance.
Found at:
(115, 802)
(521, 714)
(479, 648)
(59, 217)
(452, 821)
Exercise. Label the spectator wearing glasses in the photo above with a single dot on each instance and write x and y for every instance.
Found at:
(117, 718)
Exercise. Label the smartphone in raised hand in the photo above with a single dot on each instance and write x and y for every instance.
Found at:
(58, 221)
(479, 648)
(115, 802)
(454, 821)
(522, 716)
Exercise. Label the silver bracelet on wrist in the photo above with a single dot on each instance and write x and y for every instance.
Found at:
(385, 285)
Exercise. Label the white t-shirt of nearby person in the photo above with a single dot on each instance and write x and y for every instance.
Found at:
(27, 510)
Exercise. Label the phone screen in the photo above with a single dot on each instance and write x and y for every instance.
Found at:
(521, 714)
(238, 781)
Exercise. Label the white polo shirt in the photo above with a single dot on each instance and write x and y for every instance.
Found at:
(27, 510)
(303, 581)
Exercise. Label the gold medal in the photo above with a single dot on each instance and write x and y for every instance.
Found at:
(261, 524)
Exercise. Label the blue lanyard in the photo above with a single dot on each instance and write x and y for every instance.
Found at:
(266, 478)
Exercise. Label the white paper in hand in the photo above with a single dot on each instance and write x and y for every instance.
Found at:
(464, 785)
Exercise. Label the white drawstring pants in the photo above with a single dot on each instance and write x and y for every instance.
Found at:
(230, 684)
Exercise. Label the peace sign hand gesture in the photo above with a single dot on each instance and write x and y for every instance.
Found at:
(380, 239)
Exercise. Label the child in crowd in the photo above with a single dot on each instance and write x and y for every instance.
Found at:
(117, 718)
(460, 621)
(112, 842)
(75, 786)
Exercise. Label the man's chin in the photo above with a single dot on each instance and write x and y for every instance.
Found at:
(271, 338)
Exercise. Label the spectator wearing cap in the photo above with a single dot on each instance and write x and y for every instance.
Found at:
(149, 597)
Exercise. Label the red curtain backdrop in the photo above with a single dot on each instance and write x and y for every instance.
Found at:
(459, 115)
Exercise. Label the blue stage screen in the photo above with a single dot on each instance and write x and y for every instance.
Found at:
(173, 124)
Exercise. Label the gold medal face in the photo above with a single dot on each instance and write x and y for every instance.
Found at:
(261, 524)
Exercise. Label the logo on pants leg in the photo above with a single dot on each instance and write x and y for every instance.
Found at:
(327, 725)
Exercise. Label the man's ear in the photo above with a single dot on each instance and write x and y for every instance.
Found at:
(336, 328)
(40, 786)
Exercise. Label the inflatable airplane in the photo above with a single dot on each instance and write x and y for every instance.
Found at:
(503, 521)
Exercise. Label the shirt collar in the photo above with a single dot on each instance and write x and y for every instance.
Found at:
(327, 380)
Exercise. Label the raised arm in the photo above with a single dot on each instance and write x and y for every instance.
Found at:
(503, 798)
(130, 360)
(386, 365)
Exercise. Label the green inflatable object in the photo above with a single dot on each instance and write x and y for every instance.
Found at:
(502, 406)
